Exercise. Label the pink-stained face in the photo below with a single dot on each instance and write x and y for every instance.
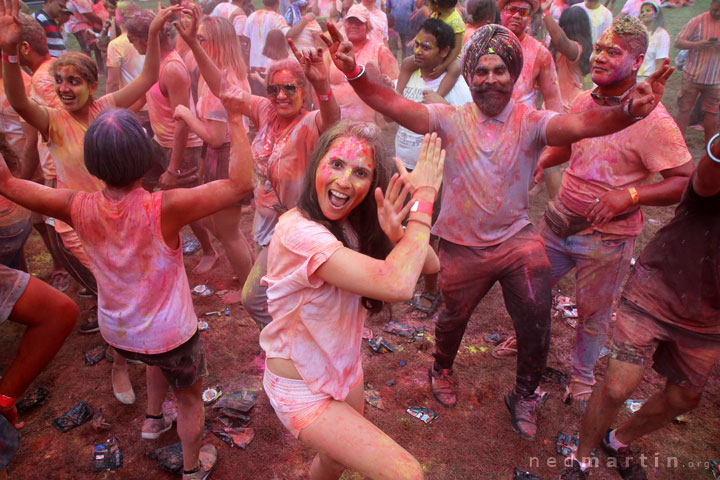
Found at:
(140, 44)
(647, 14)
(343, 177)
(287, 106)
(491, 85)
(72, 89)
(612, 61)
(516, 16)
(355, 30)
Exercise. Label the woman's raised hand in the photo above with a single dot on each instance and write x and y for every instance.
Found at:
(341, 51)
(10, 27)
(312, 62)
(429, 169)
(391, 211)
(232, 96)
(160, 19)
(188, 30)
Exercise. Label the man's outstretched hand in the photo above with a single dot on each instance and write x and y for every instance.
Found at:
(649, 93)
(341, 51)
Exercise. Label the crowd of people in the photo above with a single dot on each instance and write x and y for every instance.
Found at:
(214, 109)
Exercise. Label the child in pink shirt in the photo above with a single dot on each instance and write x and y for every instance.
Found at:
(132, 239)
(330, 261)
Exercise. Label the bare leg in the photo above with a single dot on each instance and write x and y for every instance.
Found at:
(658, 411)
(190, 423)
(157, 387)
(209, 256)
(343, 437)
(605, 402)
(710, 124)
(226, 225)
(122, 387)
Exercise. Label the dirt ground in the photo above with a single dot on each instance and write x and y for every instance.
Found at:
(472, 441)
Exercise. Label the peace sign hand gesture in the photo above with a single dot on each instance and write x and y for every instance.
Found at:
(341, 51)
(312, 62)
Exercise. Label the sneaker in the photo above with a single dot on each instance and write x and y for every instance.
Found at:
(208, 458)
(625, 462)
(573, 473)
(90, 325)
(443, 386)
(522, 414)
(154, 427)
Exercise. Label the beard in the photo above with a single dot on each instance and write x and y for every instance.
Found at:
(491, 100)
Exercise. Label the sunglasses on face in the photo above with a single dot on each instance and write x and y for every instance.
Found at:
(288, 88)
(522, 11)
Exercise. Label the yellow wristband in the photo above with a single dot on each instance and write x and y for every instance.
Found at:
(634, 195)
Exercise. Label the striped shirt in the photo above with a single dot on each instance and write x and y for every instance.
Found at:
(703, 64)
(55, 40)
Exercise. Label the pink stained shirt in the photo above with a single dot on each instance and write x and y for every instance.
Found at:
(281, 159)
(144, 301)
(535, 56)
(619, 161)
(489, 165)
(161, 111)
(42, 90)
(210, 107)
(316, 325)
(10, 121)
(570, 77)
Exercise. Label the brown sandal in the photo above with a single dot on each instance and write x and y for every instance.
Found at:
(578, 390)
(508, 348)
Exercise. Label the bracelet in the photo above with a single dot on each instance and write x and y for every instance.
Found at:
(709, 153)
(324, 98)
(626, 111)
(546, 13)
(421, 222)
(174, 174)
(10, 58)
(306, 18)
(354, 73)
(422, 207)
(435, 192)
(7, 402)
(634, 195)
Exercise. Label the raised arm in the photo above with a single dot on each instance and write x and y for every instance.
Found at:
(600, 121)
(10, 38)
(560, 41)
(186, 205)
(210, 131)
(394, 279)
(369, 87)
(317, 74)
(707, 177)
(53, 202)
(133, 91)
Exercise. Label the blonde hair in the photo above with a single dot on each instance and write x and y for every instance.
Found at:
(223, 46)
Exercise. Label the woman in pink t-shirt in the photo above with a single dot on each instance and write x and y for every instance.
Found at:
(132, 239)
(218, 39)
(331, 261)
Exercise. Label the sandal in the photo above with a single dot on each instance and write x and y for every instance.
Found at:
(60, 280)
(434, 299)
(508, 348)
(578, 390)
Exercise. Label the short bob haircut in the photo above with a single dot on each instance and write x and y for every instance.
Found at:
(372, 241)
(117, 149)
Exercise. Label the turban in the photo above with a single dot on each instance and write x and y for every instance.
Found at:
(491, 39)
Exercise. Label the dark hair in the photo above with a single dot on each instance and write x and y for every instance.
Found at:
(391, 20)
(659, 21)
(372, 241)
(270, 3)
(85, 66)
(138, 25)
(34, 34)
(576, 25)
(443, 33)
(117, 149)
(445, 3)
(482, 10)
(276, 47)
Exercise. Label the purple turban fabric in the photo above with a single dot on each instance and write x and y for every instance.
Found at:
(492, 39)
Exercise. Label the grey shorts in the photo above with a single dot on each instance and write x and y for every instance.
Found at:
(12, 286)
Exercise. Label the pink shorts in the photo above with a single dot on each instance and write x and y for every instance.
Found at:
(294, 403)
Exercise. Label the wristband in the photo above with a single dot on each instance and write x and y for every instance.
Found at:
(420, 222)
(626, 111)
(709, 153)
(546, 13)
(422, 207)
(357, 73)
(435, 192)
(324, 98)
(10, 58)
(634, 194)
(306, 18)
(6, 402)
(174, 174)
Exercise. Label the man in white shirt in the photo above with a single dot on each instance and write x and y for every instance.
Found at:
(259, 23)
(600, 17)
